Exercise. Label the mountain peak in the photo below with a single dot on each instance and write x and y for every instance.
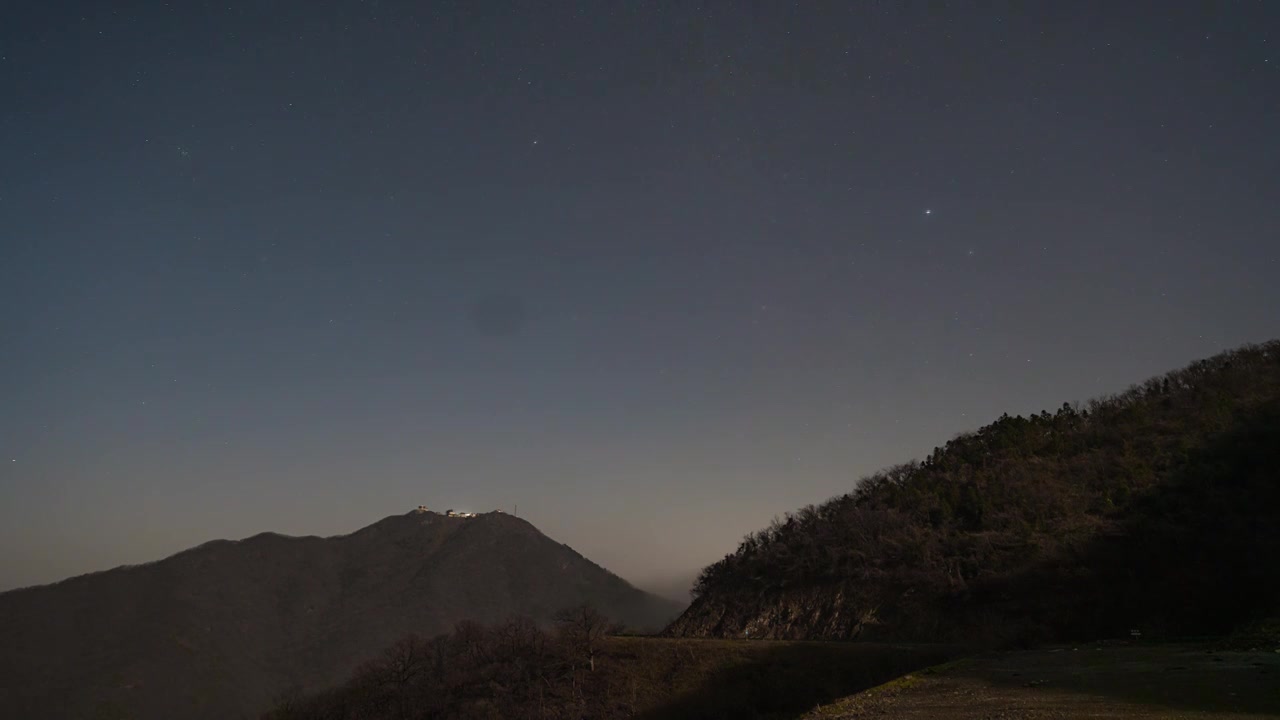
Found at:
(307, 609)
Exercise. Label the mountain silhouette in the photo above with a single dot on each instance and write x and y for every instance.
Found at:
(222, 629)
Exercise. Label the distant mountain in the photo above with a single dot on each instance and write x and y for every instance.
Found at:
(1155, 510)
(221, 630)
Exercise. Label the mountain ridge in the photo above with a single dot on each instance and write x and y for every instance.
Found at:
(220, 628)
(216, 542)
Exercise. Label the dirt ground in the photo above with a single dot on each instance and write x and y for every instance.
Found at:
(1166, 682)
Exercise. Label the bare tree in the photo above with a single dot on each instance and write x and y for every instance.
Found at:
(404, 661)
(583, 628)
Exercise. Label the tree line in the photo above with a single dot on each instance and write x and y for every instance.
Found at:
(516, 668)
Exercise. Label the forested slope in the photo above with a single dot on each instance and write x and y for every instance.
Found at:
(1156, 509)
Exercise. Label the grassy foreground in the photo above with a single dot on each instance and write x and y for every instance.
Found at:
(675, 678)
(494, 675)
(1133, 682)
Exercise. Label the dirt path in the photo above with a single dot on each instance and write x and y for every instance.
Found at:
(1165, 682)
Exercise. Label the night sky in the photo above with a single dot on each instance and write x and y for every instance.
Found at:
(653, 271)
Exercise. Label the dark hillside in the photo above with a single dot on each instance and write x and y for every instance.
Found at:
(515, 670)
(219, 630)
(1156, 509)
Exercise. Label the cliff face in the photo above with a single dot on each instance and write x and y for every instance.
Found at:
(1156, 509)
(825, 612)
(822, 612)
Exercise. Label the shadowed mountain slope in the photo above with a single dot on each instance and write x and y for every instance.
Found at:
(1156, 509)
(219, 630)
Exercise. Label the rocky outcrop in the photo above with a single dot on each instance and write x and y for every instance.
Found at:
(814, 613)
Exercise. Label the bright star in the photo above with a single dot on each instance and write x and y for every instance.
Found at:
(928, 212)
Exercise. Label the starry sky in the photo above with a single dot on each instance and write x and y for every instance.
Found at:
(654, 272)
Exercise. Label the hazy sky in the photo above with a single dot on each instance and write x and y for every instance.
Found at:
(653, 271)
